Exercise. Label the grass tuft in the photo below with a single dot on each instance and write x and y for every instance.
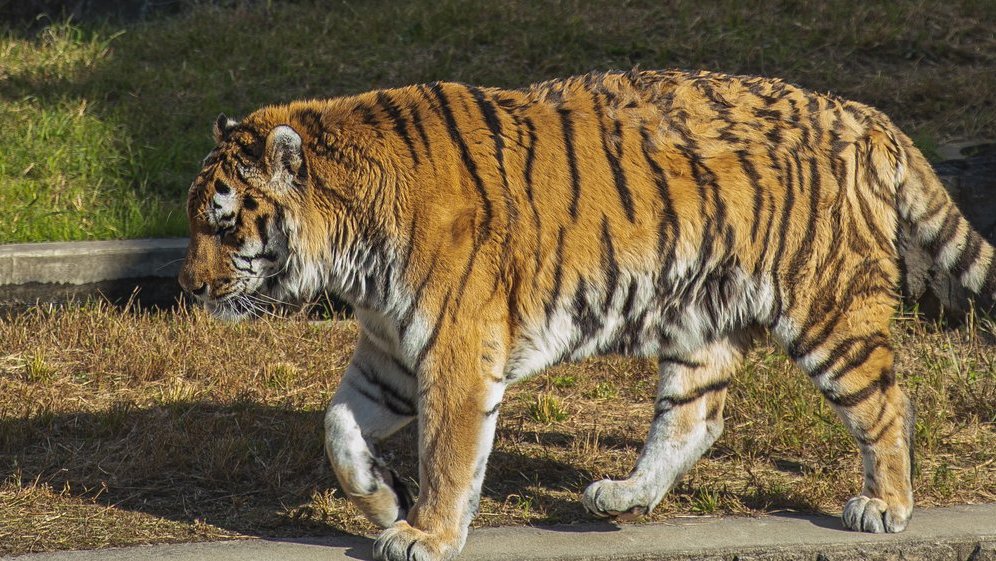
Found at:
(547, 409)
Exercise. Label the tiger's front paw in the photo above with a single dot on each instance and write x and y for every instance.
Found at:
(403, 542)
(866, 514)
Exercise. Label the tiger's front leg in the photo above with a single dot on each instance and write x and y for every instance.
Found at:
(375, 399)
(459, 394)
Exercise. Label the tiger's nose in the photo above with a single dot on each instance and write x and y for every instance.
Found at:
(193, 285)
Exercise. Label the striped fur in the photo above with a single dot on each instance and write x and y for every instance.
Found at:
(482, 235)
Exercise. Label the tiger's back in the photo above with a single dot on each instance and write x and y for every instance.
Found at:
(660, 209)
(484, 234)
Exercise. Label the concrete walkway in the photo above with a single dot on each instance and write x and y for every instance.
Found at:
(964, 533)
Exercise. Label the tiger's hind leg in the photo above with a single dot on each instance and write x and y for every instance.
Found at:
(849, 358)
(374, 400)
(688, 418)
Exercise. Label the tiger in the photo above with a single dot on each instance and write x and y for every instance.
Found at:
(481, 235)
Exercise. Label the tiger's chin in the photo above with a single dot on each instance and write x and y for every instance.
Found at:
(236, 308)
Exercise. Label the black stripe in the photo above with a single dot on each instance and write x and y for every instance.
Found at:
(838, 352)
(669, 219)
(530, 158)
(609, 265)
(806, 343)
(243, 269)
(391, 402)
(389, 393)
(948, 229)
(420, 129)
(409, 315)
(261, 227)
(881, 237)
(805, 250)
(884, 381)
(989, 287)
(465, 276)
(363, 391)
(770, 225)
(468, 161)
(493, 410)
(783, 229)
(403, 367)
(528, 175)
(718, 202)
(367, 114)
(490, 115)
(568, 128)
(680, 361)
(868, 439)
(386, 277)
(253, 149)
(862, 357)
(933, 209)
(627, 307)
(755, 181)
(558, 270)
(969, 253)
(837, 146)
(400, 123)
(667, 403)
(613, 158)
(584, 317)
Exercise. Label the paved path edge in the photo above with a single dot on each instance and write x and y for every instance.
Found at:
(962, 533)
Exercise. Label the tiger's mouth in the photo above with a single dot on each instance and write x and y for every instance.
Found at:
(236, 307)
(243, 302)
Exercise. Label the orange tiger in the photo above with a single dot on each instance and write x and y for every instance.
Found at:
(484, 234)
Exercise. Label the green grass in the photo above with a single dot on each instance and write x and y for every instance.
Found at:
(104, 125)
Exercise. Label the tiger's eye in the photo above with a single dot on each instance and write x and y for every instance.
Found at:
(222, 188)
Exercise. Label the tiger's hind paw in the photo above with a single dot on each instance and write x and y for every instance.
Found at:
(615, 499)
(866, 514)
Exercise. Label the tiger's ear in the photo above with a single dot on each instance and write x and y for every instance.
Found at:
(222, 126)
(283, 156)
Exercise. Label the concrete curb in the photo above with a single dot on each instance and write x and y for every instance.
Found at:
(81, 263)
(57, 272)
(963, 533)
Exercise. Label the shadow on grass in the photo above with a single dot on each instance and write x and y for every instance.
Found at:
(245, 467)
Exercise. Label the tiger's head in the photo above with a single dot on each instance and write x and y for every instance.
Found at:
(237, 208)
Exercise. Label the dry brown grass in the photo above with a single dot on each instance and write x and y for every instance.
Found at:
(121, 428)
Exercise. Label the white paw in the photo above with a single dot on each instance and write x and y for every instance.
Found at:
(866, 514)
(402, 542)
(617, 499)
